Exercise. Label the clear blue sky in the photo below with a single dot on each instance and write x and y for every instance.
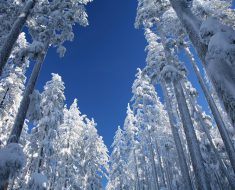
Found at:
(100, 64)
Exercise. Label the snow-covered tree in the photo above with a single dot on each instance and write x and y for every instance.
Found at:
(94, 157)
(118, 170)
(9, 11)
(51, 25)
(43, 158)
(68, 146)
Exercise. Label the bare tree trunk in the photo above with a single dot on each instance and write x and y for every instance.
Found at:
(14, 34)
(197, 162)
(218, 119)
(24, 104)
(223, 78)
(175, 133)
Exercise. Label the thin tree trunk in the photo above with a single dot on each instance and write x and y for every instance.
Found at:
(14, 34)
(218, 119)
(24, 104)
(200, 173)
(193, 146)
(146, 177)
(154, 168)
(191, 24)
(160, 163)
(169, 181)
(189, 162)
(67, 158)
(41, 150)
(218, 180)
(223, 78)
(137, 173)
(21, 115)
(180, 151)
(223, 168)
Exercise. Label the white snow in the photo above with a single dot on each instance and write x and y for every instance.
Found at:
(12, 159)
(39, 180)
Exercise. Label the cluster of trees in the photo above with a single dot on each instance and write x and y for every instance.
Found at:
(177, 145)
(174, 145)
(43, 144)
(63, 150)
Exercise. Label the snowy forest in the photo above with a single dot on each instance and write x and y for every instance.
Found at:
(168, 141)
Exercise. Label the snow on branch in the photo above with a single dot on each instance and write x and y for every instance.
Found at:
(12, 160)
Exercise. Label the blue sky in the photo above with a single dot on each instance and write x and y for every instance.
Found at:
(100, 64)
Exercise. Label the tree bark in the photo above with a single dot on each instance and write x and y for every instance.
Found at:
(223, 168)
(218, 119)
(168, 176)
(12, 37)
(137, 173)
(197, 162)
(175, 133)
(21, 115)
(24, 104)
(154, 167)
(226, 72)
(160, 163)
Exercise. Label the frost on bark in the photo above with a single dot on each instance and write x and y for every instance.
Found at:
(21, 115)
(12, 37)
(220, 60)
(201, 178)
(204, 122)
(217, 116)
(174, 128)
(219, 68)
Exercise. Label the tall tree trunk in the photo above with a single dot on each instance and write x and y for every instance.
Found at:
(154, 167)
(160, 163)
(24, 104)
(197, 162)
(67, 158)
(218, 119)
(22, 111)
(41, 150)
(223, 168)
(12, 37)
(168, 177)
(148, 178)
(178, 144)
(137, 172)
(146, 175)
(218, 180)
(193, 146)
(223, 79)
